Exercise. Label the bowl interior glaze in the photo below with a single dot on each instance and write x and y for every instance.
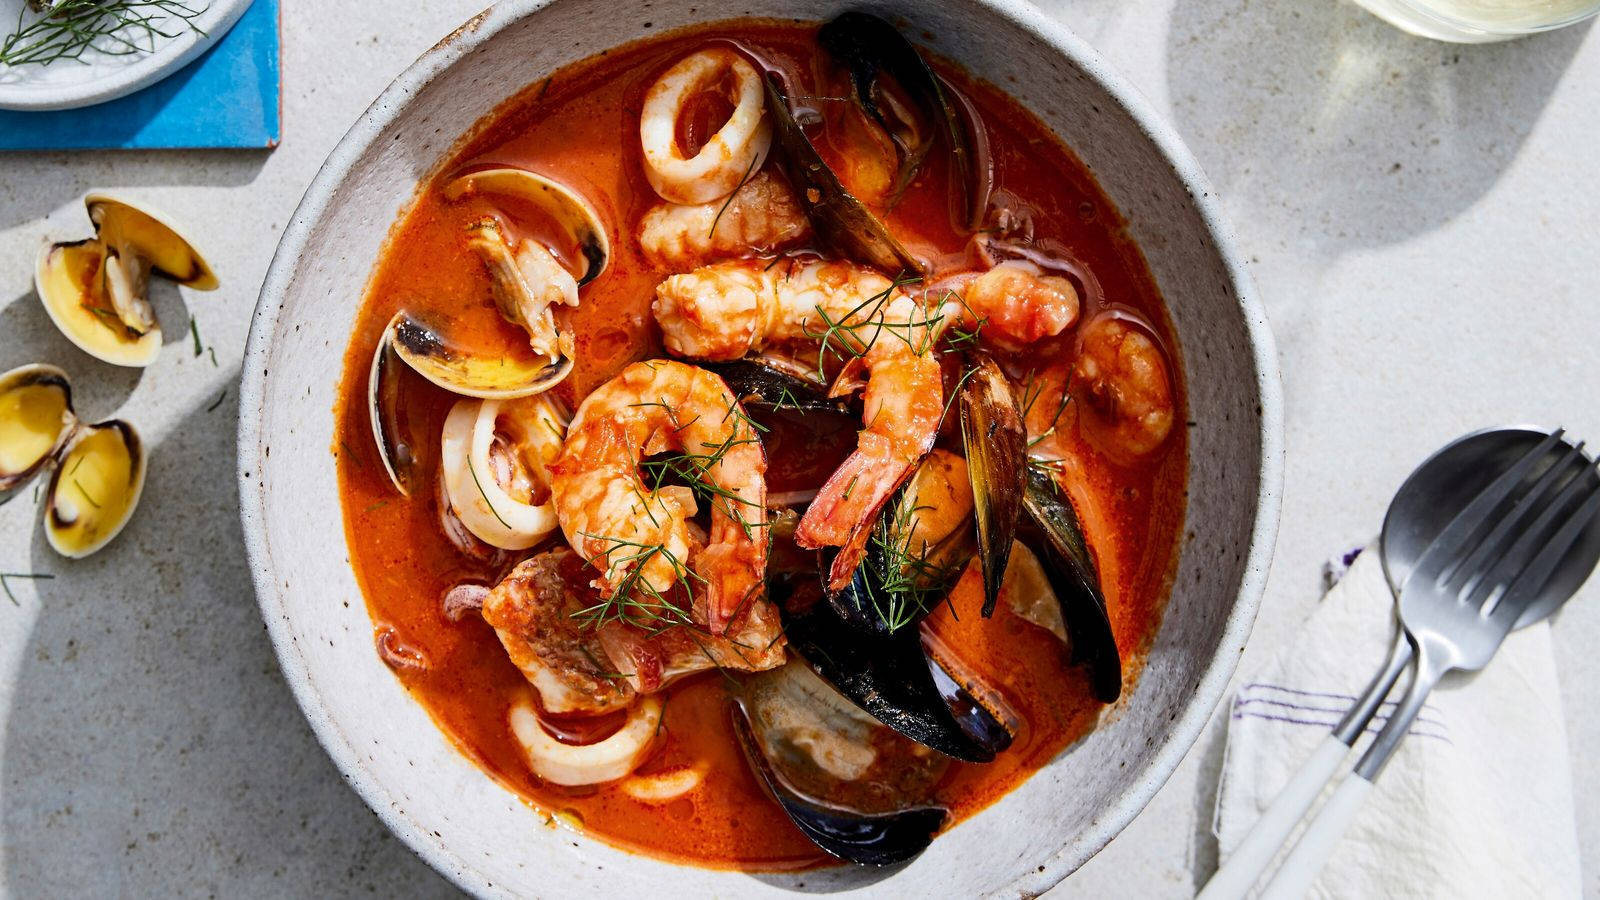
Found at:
(483, 836)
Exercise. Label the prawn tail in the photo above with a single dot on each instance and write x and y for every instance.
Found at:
(844, 511)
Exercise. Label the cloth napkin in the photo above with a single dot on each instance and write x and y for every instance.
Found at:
(1477, 802)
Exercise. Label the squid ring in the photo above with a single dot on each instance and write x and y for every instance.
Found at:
(735, 150)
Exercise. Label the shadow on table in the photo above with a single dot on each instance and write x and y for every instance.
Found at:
(152, 747)
(38, 183)
(1326, 128)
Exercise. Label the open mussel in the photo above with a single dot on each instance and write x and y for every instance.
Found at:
(1051, 525)
(855, 789)
(996, 443)
(99, 469)
(871, 47)
(865, 639)
(772, 384)
(842, 223)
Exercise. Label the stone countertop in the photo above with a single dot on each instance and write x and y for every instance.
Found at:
(1418, 218)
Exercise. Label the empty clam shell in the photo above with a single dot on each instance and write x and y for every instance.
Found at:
(36, 419)
(95, 488)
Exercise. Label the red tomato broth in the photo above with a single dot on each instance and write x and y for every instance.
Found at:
(581, 127)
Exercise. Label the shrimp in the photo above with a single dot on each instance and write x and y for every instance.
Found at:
(638, 536)
(761, 215)
(1120, 376)
(723, 311)
(1019, 305)
(734, 151)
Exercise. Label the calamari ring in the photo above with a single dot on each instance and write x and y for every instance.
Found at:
(736, 149)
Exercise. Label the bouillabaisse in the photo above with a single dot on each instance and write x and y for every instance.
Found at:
(791, 376)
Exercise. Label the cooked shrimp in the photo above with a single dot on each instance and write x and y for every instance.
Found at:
(1120, 376)
(1019, 304)
(735, 150)
(762, 215)
(726, 310)
(639, 537)
(528, 282)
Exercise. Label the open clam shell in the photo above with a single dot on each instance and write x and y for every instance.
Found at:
(95, 488)
(69, 279)
(95, 290)
(36, 419)
(460, 370)
(567, 207)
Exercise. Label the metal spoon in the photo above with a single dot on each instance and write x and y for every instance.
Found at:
(1426, 504)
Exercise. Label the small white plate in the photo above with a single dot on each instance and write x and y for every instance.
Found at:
(99, 77)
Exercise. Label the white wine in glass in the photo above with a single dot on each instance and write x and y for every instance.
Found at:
(1478, 21)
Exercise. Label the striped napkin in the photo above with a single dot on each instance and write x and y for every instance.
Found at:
(1478, 800)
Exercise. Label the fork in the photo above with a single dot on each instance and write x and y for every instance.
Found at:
(1465, 594)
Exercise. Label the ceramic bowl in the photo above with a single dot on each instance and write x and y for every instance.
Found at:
(483, 836)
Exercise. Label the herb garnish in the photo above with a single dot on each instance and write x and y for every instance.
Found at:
(114, 27)
(41, 576)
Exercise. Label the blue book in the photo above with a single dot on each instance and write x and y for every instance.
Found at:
(227, 97)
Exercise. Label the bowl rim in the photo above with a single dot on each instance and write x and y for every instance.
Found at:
(1174, 744)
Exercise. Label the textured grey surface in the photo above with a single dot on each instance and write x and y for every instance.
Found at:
(1419, 221)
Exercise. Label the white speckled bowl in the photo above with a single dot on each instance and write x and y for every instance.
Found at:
(483, 836)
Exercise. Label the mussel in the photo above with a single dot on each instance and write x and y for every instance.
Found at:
(773, 385)
(865, 640)
(843, 223)
(870, 47)
(855, 789)
(99, 469)
(996, 443)
(95, 290)
(1052, 527)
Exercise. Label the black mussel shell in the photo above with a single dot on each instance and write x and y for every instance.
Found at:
(868, 46)
(758, 384)
(871, 839)
(1052, 528)
(996, 444)
(842, 223)
(889, 675)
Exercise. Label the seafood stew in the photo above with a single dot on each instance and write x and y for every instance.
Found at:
(761, 445)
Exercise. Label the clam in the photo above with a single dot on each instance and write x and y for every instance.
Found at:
(494, 455)
(98, 469)
(996, 443)
(95, 290)
(574, 214)
(870, 47)
(843, 223)
(36, 420)
(458, 370)
(858, 791)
